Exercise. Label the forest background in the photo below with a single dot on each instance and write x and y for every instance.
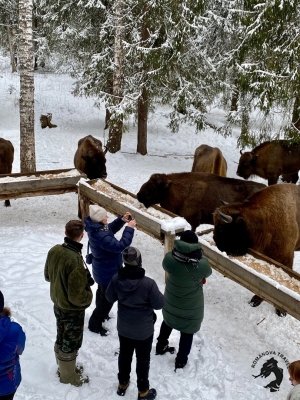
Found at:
(135, 55)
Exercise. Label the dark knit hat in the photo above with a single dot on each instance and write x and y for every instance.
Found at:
(189, 237)
(1, 301)
(132, 256)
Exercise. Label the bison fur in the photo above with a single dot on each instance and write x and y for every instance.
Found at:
(6, 160)
(194, 195)
(209, 159)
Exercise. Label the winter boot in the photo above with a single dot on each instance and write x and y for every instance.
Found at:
(122, 388)
(67, 364)
(147, 395)
(78, 368)
(179, 364)
(160, 350)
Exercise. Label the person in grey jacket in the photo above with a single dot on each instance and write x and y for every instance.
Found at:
(137, 296)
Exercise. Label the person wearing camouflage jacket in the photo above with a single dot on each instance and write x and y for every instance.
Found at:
(71, 294)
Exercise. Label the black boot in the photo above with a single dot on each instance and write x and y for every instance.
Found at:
(160, 350)
(147, 395)
(122, 388)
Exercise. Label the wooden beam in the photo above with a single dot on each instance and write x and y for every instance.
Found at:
(254, 282)
(39, 183)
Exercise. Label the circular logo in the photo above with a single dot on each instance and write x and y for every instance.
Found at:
(270, 366)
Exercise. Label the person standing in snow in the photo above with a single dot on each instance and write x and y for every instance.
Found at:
(71, 294)
(106, 257)
(186, 272)
(137, 296)
(294, 371)
(12, 344)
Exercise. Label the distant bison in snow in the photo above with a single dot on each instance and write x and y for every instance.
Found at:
(6, 160)
(209, 159)
(90, 157)
(194, 195)
(270, 160)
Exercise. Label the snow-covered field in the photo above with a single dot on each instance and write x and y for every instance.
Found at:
(227, 351)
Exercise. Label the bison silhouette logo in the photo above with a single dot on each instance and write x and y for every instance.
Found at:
(268, 368)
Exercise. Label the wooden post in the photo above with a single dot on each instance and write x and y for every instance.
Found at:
(169, 239)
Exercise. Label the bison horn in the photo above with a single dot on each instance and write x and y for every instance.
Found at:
(241, 152)
(225, 218)
(105, 149)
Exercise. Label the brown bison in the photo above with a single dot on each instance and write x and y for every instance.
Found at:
(209, 159)
(194, 195)
(270, 160)
(90, 157)
(268, 222)
(6, 160)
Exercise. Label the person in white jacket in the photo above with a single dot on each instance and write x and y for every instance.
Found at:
(294, 371)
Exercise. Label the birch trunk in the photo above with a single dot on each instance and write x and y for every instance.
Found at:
(116, 119)
(11, 40)
(26, 58)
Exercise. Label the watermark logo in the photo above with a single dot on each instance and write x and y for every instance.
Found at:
(270, 365)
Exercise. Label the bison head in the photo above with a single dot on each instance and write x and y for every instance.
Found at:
(95, 165)
(246, 166)
(230, 232)
(154, 190)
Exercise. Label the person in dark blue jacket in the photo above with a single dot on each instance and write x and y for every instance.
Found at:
(12, 344)
(106, 257)
(137, 296)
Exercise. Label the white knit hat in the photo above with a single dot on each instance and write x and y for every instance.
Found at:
(97, 213)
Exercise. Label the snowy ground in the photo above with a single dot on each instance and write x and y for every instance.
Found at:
(233, 334)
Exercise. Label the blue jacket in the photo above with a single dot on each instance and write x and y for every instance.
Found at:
(12, 344)
(106, 249)
(137, 296)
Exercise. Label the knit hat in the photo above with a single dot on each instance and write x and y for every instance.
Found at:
(97, 213)
(132, 256)
(189, 237)
(1, 301)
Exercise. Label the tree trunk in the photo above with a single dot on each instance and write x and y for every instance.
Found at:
(11, 40)
(143, 104)
(116, 117)
(296, 114)
(26, 57)
(142, 123)
(234, 100)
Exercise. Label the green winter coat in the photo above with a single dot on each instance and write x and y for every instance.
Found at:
(184, 302)
(64, 269)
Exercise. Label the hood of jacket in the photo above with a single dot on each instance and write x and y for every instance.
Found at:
(91, 226)
(5, 323)
(130, 278)
(186, 248)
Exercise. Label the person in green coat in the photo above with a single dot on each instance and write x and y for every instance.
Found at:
(186, 272)
(71, 294)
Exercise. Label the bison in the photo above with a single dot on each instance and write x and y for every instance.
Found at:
(270, 160)
(6, 160)
(268, 222)
(194, 195)
(209, 159)
(90, 157)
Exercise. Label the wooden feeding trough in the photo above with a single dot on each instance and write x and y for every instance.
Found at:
(270, 280)
(265, 277)
(117, 200)
(39, 183)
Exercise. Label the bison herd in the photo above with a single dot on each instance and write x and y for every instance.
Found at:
(245, 214)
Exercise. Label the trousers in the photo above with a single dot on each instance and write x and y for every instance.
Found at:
(142, 350)
(185, 342)
(101, 311)
(69, 326)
